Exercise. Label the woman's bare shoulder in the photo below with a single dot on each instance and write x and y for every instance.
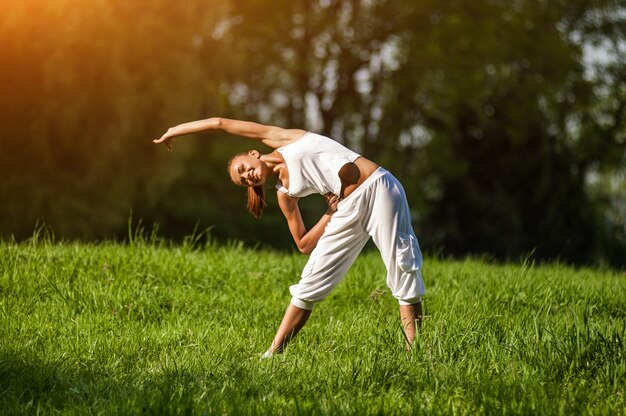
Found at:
(280, 137)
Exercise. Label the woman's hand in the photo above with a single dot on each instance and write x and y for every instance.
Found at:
(168, 139)
(332, 200)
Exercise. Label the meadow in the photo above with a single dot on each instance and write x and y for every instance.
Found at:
(152, 327)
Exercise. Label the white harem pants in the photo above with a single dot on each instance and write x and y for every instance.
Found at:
(377, 208)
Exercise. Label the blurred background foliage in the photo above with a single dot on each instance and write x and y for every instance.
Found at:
(504, 119)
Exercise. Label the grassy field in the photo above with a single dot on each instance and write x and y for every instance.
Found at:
(153, 328)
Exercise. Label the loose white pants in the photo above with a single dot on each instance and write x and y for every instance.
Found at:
(377, 208)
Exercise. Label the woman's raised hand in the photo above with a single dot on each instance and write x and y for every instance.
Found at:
(168, 139)
(332, 200)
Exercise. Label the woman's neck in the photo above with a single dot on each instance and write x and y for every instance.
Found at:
(274, 161)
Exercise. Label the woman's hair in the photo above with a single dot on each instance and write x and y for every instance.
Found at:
(256, 200)
(256, 194)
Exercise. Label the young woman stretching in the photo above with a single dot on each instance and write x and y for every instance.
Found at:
(364, 201)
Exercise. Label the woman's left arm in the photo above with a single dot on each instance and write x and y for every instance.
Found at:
(305, 240)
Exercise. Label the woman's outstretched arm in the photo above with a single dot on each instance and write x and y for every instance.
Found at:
(271, 136)
(305, 240)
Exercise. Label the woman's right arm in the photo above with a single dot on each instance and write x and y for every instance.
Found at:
(271, 136)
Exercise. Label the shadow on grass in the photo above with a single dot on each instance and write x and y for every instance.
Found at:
(30, 385)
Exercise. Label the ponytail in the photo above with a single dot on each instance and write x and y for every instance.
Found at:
(256, 200)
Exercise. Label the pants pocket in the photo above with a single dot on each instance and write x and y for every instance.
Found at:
(408, 254)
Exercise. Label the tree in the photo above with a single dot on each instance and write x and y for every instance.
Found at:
(484, 109)
(489, 112)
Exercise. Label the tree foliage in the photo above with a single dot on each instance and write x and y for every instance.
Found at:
(495, 114)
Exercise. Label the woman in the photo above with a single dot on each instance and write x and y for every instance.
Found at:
(364, 201)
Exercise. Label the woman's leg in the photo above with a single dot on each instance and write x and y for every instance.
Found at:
(293, 321)
(411, 318)
(339, 246)
(390, 226)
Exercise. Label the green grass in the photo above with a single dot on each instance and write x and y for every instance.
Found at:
(153, 328)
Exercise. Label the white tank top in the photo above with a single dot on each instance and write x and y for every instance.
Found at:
(313, 162)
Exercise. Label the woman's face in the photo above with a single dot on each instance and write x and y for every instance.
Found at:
(248, 170)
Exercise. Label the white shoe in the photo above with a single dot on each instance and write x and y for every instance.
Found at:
(267, 354)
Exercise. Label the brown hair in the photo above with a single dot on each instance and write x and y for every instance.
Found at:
(256, 200)
(256, 194)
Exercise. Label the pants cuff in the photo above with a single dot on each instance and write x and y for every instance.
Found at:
(413, 301)
(302, 304)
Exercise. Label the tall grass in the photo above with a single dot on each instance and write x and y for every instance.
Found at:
(150, 327)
